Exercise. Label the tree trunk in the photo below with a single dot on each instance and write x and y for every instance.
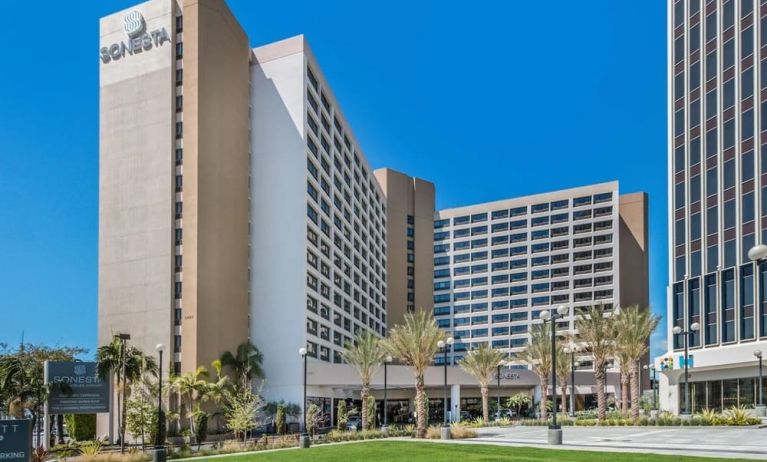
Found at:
(599, 375)
(625, 394)
(123, 417)
(544, 397)
(634, 372)
(364, 411)
(420, 431)
(564, 396)
(485, 409)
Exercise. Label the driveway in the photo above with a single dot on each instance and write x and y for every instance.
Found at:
(748, 442)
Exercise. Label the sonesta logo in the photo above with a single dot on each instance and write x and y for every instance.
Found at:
(138, 39)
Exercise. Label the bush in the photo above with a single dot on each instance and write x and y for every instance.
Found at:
(458, 432)
(201, 428)
(81, 427)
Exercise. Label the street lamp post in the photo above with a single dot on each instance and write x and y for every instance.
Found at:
(304, 441)
(760, 407)
(123, 343)
(498, 389)
(385, 428)
(555, 431)
(694, 327)
(572, 348)
(444, 346)
(159, 442)
(651, 375)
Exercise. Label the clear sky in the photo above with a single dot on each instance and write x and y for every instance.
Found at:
(488, 100)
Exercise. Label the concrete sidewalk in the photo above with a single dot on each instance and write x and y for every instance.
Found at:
(726, 442)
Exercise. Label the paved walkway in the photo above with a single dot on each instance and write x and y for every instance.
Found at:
(746, 443)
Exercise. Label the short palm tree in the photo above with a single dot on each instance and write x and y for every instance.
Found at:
(563, 374)
(126, 364)
(366, 355)
(537, 355)
(596, 328)
(245, 364)
(415, 343)
(483, 363)
(634, 328)
(195, 388)
(624, 364)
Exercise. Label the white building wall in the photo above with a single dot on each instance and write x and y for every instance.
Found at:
(278, 222)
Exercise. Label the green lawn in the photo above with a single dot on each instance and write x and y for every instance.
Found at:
(389, 451)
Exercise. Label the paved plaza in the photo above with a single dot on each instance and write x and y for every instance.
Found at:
(750, 443)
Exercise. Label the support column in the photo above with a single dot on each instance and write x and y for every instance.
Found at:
(455, 402)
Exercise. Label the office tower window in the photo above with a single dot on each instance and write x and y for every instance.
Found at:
(728, 306)
(709, 324)
(747, 302)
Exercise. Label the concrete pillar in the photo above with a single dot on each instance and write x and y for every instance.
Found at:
(455, 401)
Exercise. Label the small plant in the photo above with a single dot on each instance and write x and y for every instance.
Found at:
(91, 449)
(737, 415)
(279, 419)
(341, 416)
(504, 422)
(39, 454)
(458, 431)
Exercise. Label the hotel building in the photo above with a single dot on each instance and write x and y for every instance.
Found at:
(236, 205)
(717, 81)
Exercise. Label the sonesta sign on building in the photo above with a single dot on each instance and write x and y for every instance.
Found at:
(77, 388)
(139, 40)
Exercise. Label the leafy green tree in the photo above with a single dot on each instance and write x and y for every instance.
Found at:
(313, 418)
(482, 363)
(518, 401)
(279, 419)
(341, 417)
(245, 363)
(366, 355)
(415, 343)
(126, 364)
(193, 390)
(201, 428)
(81, 427)
(242, 412)
(141, 411)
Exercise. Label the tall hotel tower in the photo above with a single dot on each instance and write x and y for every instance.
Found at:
(717, 199)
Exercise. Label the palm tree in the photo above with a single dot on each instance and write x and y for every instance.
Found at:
(219, 390)
(415, 344)
(624, 363)
(563, 374)
(127, 364)
(596, 329)
(245, 363)
(482, 363)
(365, 354)
(194, 386)
(537, 355)
(634, 328)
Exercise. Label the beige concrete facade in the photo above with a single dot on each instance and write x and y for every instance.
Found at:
(216, 90)
(634, 250)
(408, 196)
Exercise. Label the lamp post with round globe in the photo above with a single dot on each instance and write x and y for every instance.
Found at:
(304, 441)
(572, 348)
(653, 381)
(694, 327)
(444, 346)
(555, 431)
(159, 440)
(501, 363)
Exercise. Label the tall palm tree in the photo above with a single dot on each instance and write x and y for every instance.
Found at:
(563, 374)
(126, 364)
(415, 344)
(596, 328)
(195, 388)
(624, 363)
(245, 363)
(482, 363)
(537, 355)
(366, 355)
(634, 328)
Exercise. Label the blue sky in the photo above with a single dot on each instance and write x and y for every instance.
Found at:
(489, 100)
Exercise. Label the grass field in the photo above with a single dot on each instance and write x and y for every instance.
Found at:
(389, 451)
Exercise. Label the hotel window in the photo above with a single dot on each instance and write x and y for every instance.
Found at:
(728, 306)
(710, 320)
(179, 76)
(179, 24)
(179, 183)
(179, 129)
(497, 214)
(693, 309)
(179, 50)
(678, 312)
(177, 290)
(179, 103)
(763, 299)
(179, 156)
(179, 236)
(747, 302)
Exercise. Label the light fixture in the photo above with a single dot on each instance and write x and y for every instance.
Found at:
(159, 347)
(758, 354)
(695, 327)
(441, 344)
(676, 330)
(302, 351)
(562, 310)
(545, 315)
(388, 358)
(757, 252)
(450, 340)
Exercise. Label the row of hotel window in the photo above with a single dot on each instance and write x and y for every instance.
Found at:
(520, 237)
(711, 187)
(505, 265)
(534, 222)
(712, 262)
(506, 278)
(520, 303)
(340, 320)
(523, 249)
(725, 314)
(524, 210)
(727, 10)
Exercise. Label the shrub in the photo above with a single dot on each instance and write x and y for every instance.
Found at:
(458, 432)
(201, 428)
(285, 441)
(433, 432)
(91, 449)
(341, 415)
(279, 419)
(737, 415)
(504, 422)
(81, 427)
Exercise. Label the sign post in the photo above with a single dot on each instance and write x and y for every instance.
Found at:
(15, 440)
(74, 388)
